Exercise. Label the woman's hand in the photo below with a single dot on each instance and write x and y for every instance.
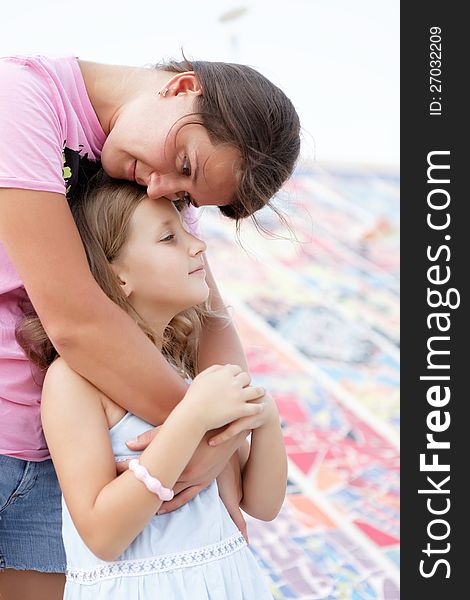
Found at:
(230, 487)
(221, 394)
(206, 465)
(268, 415)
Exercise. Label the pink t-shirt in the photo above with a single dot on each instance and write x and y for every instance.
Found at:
(47, 126)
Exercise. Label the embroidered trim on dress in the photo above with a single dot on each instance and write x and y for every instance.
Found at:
(125, 457)
(158, 564)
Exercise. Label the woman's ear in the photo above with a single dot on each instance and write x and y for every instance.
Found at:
(183, 83)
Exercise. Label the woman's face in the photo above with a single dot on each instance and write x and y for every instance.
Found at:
(161, 265)
(146, 144)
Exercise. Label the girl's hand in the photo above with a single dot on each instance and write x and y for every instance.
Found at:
(268, 415)
(222, 394)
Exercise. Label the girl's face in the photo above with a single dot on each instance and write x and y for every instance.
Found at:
(161, 266)
(149, 145)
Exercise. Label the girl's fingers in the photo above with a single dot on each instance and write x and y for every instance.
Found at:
(244, 423)
(253, 408)
(253, 393)
(243, 378)
(210, 369)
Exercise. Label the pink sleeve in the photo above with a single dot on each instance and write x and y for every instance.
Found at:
(31, 133)
(189, 214)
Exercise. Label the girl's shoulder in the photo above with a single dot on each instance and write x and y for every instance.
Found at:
(59, 373)
(62, 382)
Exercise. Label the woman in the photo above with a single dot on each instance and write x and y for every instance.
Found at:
(210, 133)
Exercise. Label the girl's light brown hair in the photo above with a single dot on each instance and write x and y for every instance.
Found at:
(103, 218)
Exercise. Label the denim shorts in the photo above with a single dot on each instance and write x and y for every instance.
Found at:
(30, 516)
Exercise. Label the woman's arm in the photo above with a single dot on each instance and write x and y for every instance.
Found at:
(96, 338)
(264, 468)
(220, 342)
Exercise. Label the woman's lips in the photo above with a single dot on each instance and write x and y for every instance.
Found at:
(131, 171)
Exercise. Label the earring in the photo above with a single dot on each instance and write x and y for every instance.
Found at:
(163, 92)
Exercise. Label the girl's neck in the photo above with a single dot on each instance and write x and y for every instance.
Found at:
(110, 87)
(157, 325)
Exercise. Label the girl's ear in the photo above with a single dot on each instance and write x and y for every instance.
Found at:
(122, 280)
(183, 83)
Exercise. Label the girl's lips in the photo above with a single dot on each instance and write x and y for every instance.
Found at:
(198, 270)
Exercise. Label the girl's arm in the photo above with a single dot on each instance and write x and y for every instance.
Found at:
(95, 337)
(110, 512)
(264, 467)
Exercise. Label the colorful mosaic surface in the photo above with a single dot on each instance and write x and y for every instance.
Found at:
(319, 320)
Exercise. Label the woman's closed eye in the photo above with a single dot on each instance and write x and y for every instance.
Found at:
(186, 169)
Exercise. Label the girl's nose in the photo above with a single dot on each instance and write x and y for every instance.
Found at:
(197, 246)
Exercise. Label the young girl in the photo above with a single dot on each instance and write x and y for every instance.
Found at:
(216, 133)
(148, 263)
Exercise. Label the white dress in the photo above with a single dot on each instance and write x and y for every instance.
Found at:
(193, 553)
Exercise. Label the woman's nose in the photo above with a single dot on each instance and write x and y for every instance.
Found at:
(162, 186)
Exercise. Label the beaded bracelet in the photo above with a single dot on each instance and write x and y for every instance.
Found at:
(151, 483)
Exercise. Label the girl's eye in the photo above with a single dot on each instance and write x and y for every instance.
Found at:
(168, 238)
(186, 167)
